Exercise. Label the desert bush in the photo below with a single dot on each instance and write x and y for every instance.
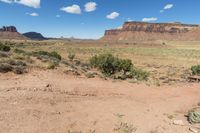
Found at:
(109, 64)
(15, 66)
(16, 63)
(71, 56)
(19, 69)
(4, 68)
(55, 55)
(196, 70)
(48, 54)
(8, 43)
(117, 68)
(4, 48)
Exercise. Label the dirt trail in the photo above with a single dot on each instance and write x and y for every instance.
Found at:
(52, 102)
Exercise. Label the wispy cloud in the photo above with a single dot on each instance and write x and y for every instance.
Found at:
(168, 6)
(113, 15)
(149, 19)
(29, 3)
(74, 9)
(90, 6)
(33, 14)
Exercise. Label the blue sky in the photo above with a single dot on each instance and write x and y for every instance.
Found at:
(90, 18)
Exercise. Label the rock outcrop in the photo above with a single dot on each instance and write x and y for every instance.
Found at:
(34, 36)
(142, 31)
(8, 29)
(10, 32)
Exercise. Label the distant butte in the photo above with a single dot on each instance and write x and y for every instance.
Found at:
(143, 31)
(10, 32)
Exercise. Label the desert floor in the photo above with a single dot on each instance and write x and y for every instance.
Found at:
(49, 101)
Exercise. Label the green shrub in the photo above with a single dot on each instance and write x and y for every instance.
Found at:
(194, 117)
(55, 55)
(71, 56)
(126, 65)
(4, 48)
(117, 68)
(138, 74)
(48, 54)
(109, 64)
(196, 70)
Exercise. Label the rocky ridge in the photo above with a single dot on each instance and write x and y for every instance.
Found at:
(10, 32)
(143, 31)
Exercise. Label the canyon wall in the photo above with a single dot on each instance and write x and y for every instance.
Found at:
(142, 31)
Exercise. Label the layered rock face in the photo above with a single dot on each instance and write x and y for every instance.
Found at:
(134, 31)
(10, 32)
(8, 29)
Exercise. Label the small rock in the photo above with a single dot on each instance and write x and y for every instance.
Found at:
(48, 85)
(178, 122)
(193, 130)
(35, 89)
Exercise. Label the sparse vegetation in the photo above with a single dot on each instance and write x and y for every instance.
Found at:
(5, 67)
(124, 128)
(17, 67)
(71, 56)
(48, 54)
(194, 117)
(3, 54)
(196, 70)
(19, 51)
(50, 65)
(4, 47)
(120, 68)
(109, 64)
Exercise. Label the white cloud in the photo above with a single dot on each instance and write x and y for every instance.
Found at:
(168, 6)
(7, 1)
(30, 3)
(90, 6)
(74, 9)
(149, 19)
(33, 14)
(113, 15)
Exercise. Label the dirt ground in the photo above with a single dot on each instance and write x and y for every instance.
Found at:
(49, 101)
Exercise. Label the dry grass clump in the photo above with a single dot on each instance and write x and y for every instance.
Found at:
(15, 66)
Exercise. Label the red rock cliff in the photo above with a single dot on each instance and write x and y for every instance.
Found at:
(148, 31)
(10, 32)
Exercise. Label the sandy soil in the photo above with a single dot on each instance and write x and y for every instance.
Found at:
(53, 102)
